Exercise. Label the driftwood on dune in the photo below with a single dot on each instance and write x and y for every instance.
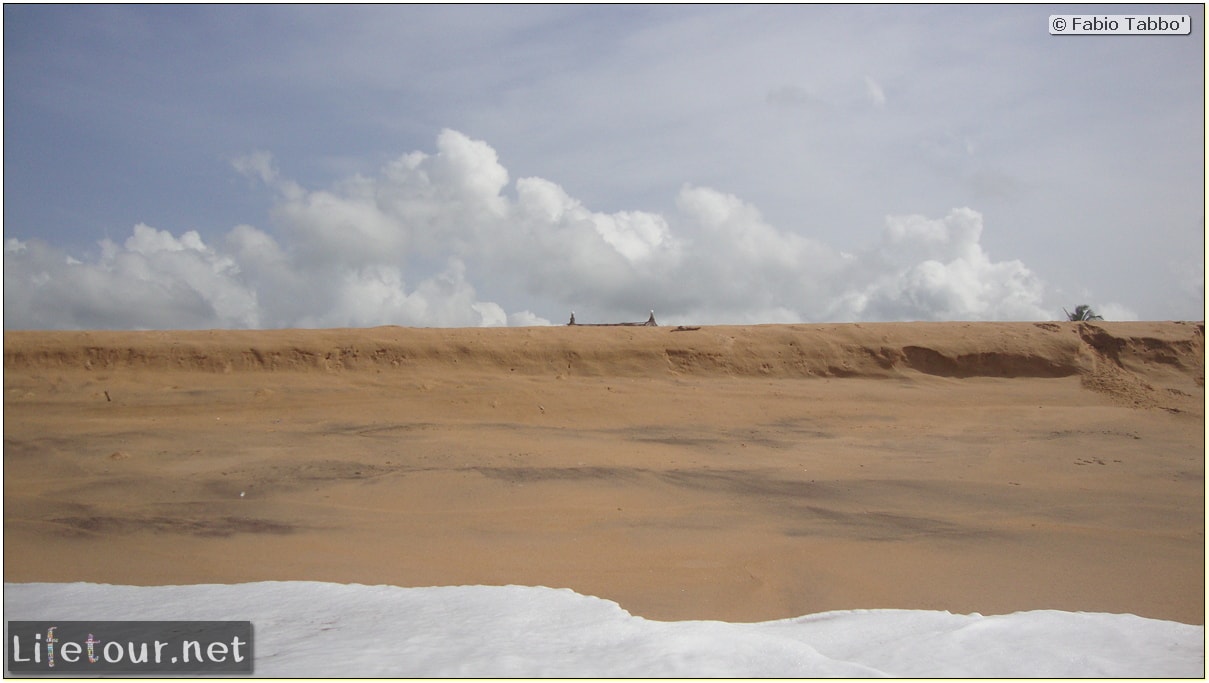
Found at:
(650, 322)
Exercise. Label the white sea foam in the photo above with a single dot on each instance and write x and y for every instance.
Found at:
(326, 629)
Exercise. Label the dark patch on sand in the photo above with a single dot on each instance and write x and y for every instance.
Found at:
(221, 527)
(535, 474)
(882, 526)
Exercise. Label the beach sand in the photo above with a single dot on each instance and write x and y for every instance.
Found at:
(737, 473)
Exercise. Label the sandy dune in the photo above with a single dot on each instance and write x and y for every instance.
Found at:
(738, 473)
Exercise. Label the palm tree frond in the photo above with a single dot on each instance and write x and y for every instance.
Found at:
(1082, 313)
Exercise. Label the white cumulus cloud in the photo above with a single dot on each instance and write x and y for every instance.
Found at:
(936, 269)
(447, 239)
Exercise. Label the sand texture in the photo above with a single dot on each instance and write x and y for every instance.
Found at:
(738, 473)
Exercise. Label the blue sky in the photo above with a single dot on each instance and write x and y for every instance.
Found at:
(279, 166)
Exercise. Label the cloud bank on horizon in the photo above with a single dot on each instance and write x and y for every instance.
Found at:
(427, 239)
(719, 164)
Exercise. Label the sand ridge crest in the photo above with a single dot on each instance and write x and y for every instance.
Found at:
(839, 350)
